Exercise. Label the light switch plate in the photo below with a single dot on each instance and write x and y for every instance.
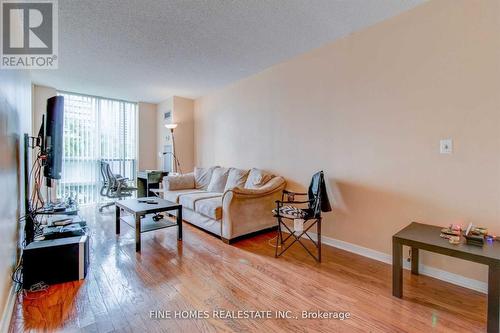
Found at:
(446, 146)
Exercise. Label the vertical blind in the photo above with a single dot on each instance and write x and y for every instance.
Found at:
(95, 129)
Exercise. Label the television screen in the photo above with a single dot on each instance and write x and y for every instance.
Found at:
(54, 137)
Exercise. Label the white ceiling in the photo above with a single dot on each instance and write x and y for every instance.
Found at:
(148, 50)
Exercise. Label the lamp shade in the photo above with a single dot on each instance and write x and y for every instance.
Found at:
(171, 126)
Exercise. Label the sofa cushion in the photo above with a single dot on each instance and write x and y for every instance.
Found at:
(210, 207)
(218, 180)
(173, 196)
(236, 178)
(202, 177)
(257, 178)
(190, 200)
(178, 182)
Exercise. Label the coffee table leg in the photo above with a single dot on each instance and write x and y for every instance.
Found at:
(117, 219)
(397, 269)
(179, 223)
(493, 299)
(137, 232)
(414, 260)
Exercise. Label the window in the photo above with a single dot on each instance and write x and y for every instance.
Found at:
(96, 129)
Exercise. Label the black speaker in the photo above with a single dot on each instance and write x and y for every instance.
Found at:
(54, 137)
(55, 261)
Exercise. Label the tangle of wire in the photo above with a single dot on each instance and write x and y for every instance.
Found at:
(17, 275)
(36, 171)
(35, 204)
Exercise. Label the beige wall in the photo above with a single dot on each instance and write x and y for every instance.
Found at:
(40, 96)
(182, 114)
(15, 120)
(184, 133)
(147, 149)
(370, 110)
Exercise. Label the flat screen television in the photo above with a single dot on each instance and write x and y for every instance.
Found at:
(53, 140)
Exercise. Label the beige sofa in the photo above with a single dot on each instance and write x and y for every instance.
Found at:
(227, 202)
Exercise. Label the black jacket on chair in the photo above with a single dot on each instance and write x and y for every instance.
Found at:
(317, 190)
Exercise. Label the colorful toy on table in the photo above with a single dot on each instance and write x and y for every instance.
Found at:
(452, 233)
(475, 235)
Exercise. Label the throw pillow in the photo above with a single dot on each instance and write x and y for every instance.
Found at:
(236, 178)
(179, 182)
(257, 178)
(202, 177)
(218, 180)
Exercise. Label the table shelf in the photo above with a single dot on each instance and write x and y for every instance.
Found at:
(148, 224)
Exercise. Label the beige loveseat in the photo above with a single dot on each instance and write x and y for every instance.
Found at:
(228, 202)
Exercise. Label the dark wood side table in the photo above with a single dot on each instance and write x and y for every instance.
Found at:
(148, 180)
(426, 237)
(144, 223)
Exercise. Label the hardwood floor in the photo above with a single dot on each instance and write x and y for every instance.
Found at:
(203, 273)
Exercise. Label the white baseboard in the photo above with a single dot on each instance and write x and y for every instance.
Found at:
(8, 310)
(440, 274)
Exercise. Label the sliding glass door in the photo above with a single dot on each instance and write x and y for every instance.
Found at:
(96, 129)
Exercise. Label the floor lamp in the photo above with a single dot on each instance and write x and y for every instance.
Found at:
(175, 161)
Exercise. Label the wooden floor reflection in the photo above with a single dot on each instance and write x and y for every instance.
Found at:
(51, 308)
(203, 273)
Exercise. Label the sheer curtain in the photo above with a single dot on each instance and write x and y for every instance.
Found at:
(96, 129)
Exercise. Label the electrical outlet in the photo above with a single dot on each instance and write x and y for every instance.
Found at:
(446, 146)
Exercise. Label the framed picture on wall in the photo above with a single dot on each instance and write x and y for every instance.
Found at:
(167, 119)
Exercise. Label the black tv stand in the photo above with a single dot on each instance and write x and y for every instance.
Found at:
(71, 210)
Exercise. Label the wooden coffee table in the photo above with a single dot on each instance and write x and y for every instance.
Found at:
(144, 223)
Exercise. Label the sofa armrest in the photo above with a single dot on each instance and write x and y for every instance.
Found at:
(248, 210)
(178, 182)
